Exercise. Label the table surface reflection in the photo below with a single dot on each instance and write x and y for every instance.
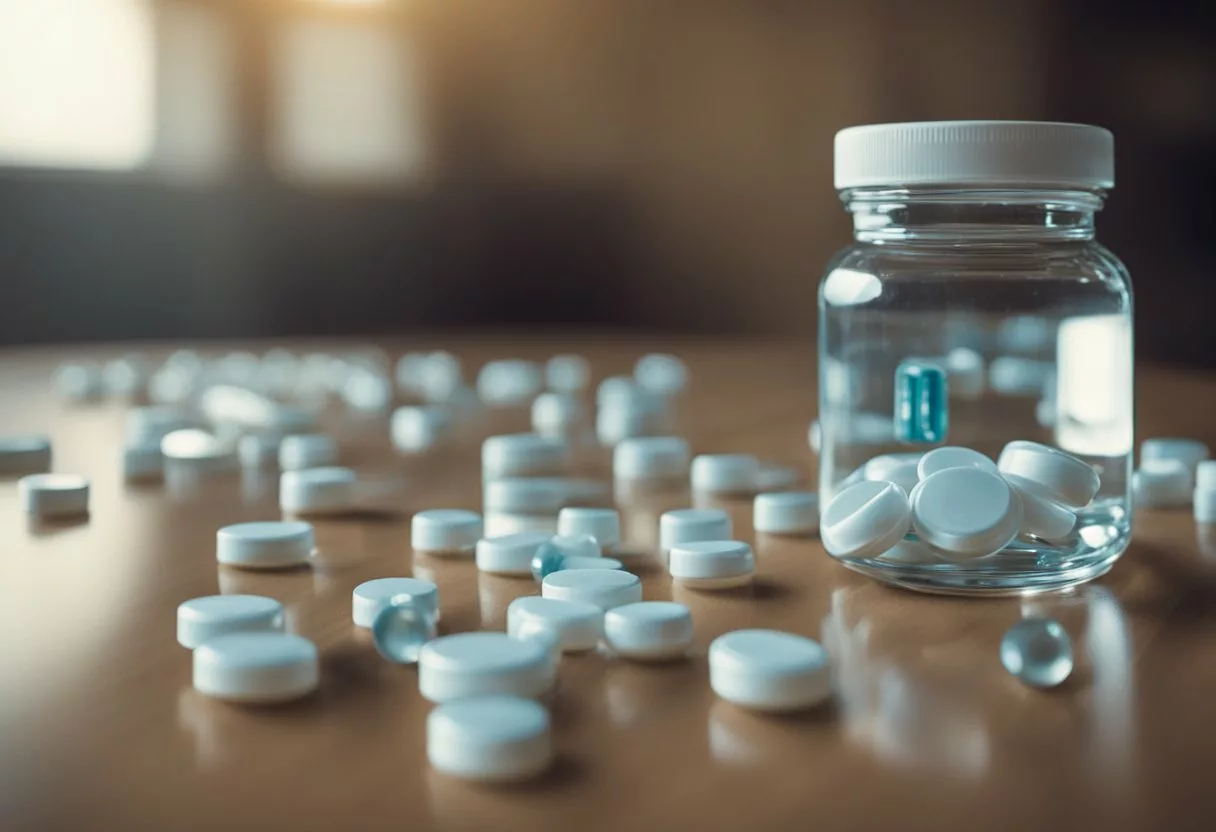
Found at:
(102, 730)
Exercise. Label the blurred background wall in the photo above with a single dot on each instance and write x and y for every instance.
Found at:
(199, 168)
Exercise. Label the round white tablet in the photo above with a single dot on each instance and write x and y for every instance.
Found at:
(725, 473)
(370, 597)
(1204, 500)
(1162, 483)
(418, 428)
(661, 373)
(1042, 518)
(614, 389)
(966, 512)
(686, 525)
(489, 739)
(939, 459)
(509, 381)
(273, 544)
(788, 512)
(897, 468)
(767, 670)
(604, 524)
(307, 450)
(256, 667)
(649, 630)
(1050, 473)
(525, 495)
(523, 455)
(198, 447)
(25, 454)
(650, 457)
(477, 664)
(578, 624)
(1205, 475)
(712, 564)
(1190, 452)
(567, 373)
(630, 418)
(509, 554)
(910, 552)
(201, 619)
(143, 461)
(557, 414)
(865, 519)
(317, 490)
(443, 531)
(54, 495)
(606, 588)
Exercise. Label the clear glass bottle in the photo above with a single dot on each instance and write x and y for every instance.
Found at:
(974, 258)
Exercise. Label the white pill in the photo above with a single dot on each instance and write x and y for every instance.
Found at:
(725, 473)
(767, 670)
(371, 597)
(688, 525)
(865, 519)
(79, 382)
(604, 524)
(1205, 475)
(509, 381)
(621, 419)
(309, 450)
(650, 457)
(24, 455)
(1162, 483)
(614, 389)
(445, 531)
(1204, 500)
(367, 390)
(54, 495)
(317, 491)
(265, 545)
(1190, 452)
(557, 414)
(567, 373)
(775, 477)
(577, 546)
(525, 495)
(143, 461)
(966, 512)
(545, 636)
(478, 664)
(910, 552)
(965, 372)
(1050, 473)
(649, 630)
(939, 459)
(198, 447)
(712, 564)
(523, 455)
(258, 450)
(590, 562)
(606, 588)
(662, 374)
(579, 625)
(125, 377)
(1016, 376)
(900, 469)
(256, 667)
(440, 377)
(201, 619)
(509, 554)
(787, 512)
(1041, 517)
(418, 428)
(151, 424)
(489, 739)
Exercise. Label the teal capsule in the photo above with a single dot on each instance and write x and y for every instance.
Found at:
(921, 403)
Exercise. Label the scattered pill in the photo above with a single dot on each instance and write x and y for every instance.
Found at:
(257, 450)
(1038, 652)
(478, 664)
(545, 636)
(402, 626)
(615, 388)
(688, 525)
(662, 374)
(1041, 517)
(1050, 473)
(265, 545)
(650, 457)
(201, 619)
(939, 459)
(309, 450)
(523, 455)
(489, 739)
(79, 382)
(124, 378)
(445, 531)
(508, 382)
(725, 473)
(317, 491)
(814, 436)
(900, 469)
(649, 630)
(910, 552)
(367, 390)
(606, 588)
(256, 668)
(415, 429)
(198, 447)
(509, 554)
(786, 512)
(557, 414)
(865, 519)
(966, 512)
(767, 670)
(921, 403)
(1204, 496)
(1190, 452)
(567, 373)
(1162, 483)
(24, 455)
(54, 495)
(152, 424)
(578, 624)
(712, 564)
(440, 377)
(372, 596)
(603, 524)
(143, 462)
(526, 495)
(630, 418)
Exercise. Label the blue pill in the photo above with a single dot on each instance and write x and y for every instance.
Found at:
(549, 558)
(921, 403)
(1038, 652)
(401, 628)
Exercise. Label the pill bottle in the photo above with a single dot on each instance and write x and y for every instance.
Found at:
(974, 308)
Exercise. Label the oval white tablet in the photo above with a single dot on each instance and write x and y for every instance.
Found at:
(649, 630)
(317, 491)
(509, 554)
(489, 739)
(578, 624)
(414, 429)
(197, 446)
(650, 457)
(256, 667)
(1050, 472)
(604, 524)
(789, 512)
(966, 512)
(445, 531)
(25, 455)
(307, 450)
(54, 495)
(865, 519)
(1190, 452)
(200, 619)
(1042, 518)
(686, 525)
(897, 468)
(939, 459)
(523, 455)
(712, 564)
(606, 588)
(767, 670)
(370, 597)
(725, 473)
(525, 495)
(478, 664)
(265, 545)
(1162, 483)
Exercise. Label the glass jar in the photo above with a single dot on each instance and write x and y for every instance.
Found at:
(975, 308)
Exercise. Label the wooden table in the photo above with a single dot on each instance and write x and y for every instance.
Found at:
(102, 730)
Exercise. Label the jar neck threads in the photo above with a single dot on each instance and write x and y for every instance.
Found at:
(971, 215)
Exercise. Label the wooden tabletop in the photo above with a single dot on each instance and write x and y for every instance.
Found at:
(101, 729)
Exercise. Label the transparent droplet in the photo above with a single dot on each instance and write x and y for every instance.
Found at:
(547, 560)
(401, 628)
(1038, 652)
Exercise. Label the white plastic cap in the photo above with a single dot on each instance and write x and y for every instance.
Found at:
(975, 153)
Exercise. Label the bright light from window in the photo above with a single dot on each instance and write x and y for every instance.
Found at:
(76, 83)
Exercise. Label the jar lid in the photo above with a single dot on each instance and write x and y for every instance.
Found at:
(1017, 153)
